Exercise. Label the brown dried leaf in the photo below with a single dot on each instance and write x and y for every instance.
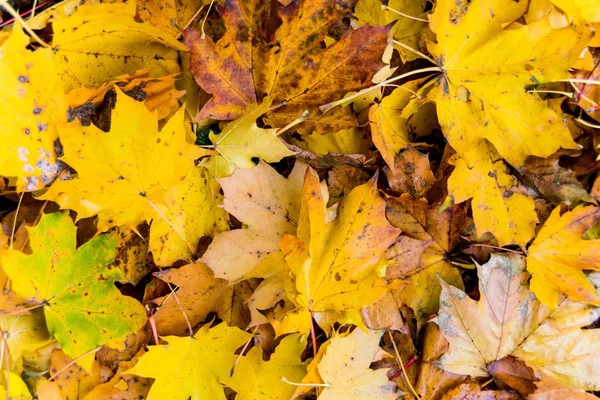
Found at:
(411, 173)
(198, 295)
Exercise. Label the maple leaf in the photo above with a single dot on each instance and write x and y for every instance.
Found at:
(192, 211)
(197, 296)
(23, 333)
(389, 131)
(82, 306)
(484, 77)
(421, 253)
(99, 42)
(554, 182)
(122, 176)
(331, 265)
(509, 320)
(558, 255)
(256, 379)
(344, 368)
(532, 383)
(406, 30)
(191, 366)
(586, 10)
(257, 197)
(170, 16)
(241, 140)
(243, 66)
(497, 206)
(157, 94)
(33, 104)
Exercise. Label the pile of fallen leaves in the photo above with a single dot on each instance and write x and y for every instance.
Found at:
(336, 199)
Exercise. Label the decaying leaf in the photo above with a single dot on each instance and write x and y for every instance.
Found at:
(33, 103)
(510, 321)
(420, 254)
(197, 296)
(291, 67)
(83, 308)
(411, 173)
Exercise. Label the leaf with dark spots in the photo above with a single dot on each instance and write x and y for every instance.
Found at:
(76, 286)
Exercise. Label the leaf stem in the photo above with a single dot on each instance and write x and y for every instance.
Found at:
(568, 94)
(583, 122)
(243, 351)
(412, 389)
(326, 107)
(17, 17)
(324, 385)
(74, 361)
(384, 7)
(313, 335)
(417, 52)
(497, 248)
(14, 227)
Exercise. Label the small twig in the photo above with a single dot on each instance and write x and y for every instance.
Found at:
(305, 115)
(412, 389)
(16, 16)
(408, 364)
(487, 383)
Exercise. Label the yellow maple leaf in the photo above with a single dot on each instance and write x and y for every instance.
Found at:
(256, 379)
(241, 140)
(586, 10)
(32, 104)
(191, 366)
(343, 368)
(332, 265)
(558, 255)
(99, 42)
(509, 321)
(192, 210)
(123, 175)
(481, 94)
(497, 207)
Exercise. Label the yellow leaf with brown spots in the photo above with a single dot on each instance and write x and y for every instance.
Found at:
(125, 174)
(332, 265)
(32, 104)
(481, 94)
(171, 16)
(411, 173)
(497, 205)
(558, 255)
(99, 42)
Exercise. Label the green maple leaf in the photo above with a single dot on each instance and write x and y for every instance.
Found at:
(83, 308)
